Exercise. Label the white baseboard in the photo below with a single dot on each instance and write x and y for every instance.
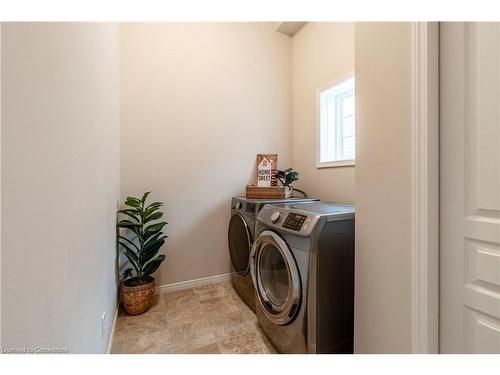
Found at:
(110, 343)
(194, 283)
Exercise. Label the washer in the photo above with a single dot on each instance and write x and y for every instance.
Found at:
(302, 265)
(241, 233)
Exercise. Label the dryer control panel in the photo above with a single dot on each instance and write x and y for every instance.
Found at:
(294, 221)
(288, 220)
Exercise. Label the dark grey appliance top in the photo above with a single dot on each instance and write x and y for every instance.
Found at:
(273, 201)
(332, 211)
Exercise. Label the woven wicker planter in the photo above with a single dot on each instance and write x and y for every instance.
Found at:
(137, 299)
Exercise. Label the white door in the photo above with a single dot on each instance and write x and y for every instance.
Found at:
(470, 187)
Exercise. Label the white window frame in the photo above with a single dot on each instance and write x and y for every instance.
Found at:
(337, 163)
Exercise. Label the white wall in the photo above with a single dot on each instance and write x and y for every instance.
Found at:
(60, 183)
(199, 101)
(321, 53)
(383, 188)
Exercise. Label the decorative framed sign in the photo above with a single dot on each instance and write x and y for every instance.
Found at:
(267, 166)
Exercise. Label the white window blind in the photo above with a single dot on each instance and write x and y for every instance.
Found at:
(336, 131)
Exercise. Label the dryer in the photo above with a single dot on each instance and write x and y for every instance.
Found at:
(302, 265)
(241, 233)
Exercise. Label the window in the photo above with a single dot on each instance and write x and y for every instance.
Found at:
(336, 124)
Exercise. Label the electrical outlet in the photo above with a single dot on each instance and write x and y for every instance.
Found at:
(103, 325)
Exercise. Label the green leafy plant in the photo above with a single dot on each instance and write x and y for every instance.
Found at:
(142, 250)
(287, 176)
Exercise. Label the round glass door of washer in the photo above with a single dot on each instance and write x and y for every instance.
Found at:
(277, 278)
(240, 242)
(274, 276)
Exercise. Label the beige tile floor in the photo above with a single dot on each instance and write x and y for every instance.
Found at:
(209, 319)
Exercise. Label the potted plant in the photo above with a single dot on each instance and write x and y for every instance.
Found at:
(137, 290)
(287, 177)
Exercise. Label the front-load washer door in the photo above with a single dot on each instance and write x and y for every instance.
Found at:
(240, 242)
(276, 278)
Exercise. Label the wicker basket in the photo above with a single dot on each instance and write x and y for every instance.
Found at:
(274, 192)
(137, 299)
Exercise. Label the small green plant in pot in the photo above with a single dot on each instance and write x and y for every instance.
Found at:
(287, 177)
(136, 291)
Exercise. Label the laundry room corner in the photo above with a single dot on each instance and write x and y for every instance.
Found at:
(199, 127)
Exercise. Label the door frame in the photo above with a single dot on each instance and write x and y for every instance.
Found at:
(425, 187)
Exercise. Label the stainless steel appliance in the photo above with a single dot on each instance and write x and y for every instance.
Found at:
(241, 233)
(302, 265)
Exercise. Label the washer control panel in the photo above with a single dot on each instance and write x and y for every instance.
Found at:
(288, 220)
(294, 221)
